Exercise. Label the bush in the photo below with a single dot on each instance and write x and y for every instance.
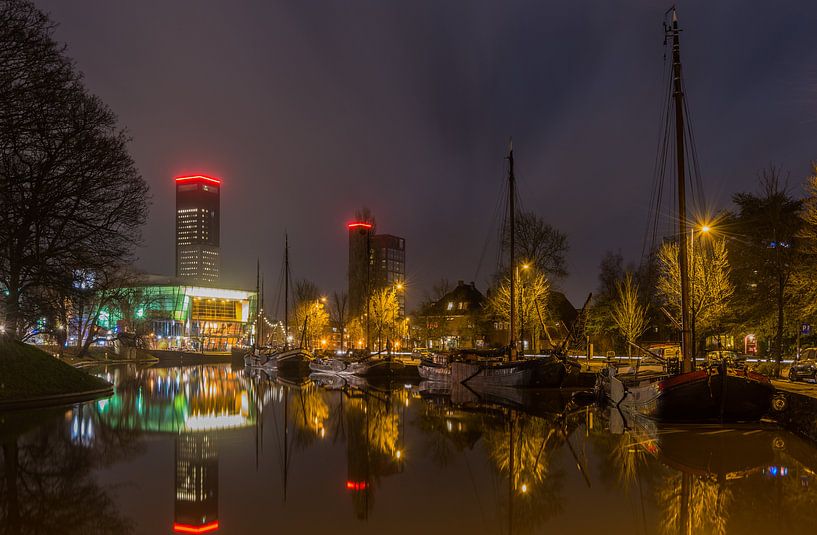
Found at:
(766, 368)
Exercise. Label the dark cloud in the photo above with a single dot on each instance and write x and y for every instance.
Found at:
(309, 110)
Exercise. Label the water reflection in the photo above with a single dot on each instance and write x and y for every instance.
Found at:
(47, 476)
(196, 507)
(719, 480)
(385, 457)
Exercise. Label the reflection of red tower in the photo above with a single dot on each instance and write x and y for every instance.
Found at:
(196, 484)
(365, 464)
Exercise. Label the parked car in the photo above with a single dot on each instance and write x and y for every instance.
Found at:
(732, 358)
(805, 367)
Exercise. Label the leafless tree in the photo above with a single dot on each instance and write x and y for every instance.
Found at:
(540, 244)
(339, 302)
(71, 198)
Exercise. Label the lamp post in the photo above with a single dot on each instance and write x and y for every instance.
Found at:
(398, 286)
(704, 229)
(522, 307)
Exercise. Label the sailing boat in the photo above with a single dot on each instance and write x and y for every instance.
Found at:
(289, 361)
(716, 393)
(474, 370)
(256, 356)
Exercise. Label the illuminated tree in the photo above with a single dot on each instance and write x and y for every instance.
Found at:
(312, 316)
(532, 291)
(356, 333)
(629, 315)
(804, 278)
(709, 280)
(385, 310)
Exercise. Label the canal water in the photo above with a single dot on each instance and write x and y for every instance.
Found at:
(206, 449)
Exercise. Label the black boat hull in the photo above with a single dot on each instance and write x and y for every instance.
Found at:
(699, 396)
(549, 372)
(706, 399)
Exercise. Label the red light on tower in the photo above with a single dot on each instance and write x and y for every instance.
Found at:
(198, 178)
(187, 528)
(356, 485)
(359, 224)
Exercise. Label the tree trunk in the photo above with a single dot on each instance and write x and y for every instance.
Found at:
(779, 336)
(12, 314)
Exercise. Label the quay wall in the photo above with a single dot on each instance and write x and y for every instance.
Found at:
(800, 414)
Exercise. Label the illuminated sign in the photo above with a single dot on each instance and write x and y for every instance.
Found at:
(197, 178)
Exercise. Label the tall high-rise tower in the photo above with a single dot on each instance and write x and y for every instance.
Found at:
(360, 234)
(376, 261)
(197, 228)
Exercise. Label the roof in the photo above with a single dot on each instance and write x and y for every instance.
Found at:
(462, 293)
(561, 309)
(152, 279)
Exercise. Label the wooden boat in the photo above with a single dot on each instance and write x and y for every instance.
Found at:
(336, 366)
(519, 373)
(715, 393)
(379, 367)
(472, 368)
(435, 368)
(718, 393)
(290, 361)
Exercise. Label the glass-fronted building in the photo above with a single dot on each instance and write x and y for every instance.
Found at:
(173, 316)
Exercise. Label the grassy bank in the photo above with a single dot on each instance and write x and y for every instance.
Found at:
(27, 372)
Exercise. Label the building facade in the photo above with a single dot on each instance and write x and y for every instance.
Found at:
(388, 261)
(197, 228)
(376, 261)
(174, 316)
(360, 235)
(456, 320)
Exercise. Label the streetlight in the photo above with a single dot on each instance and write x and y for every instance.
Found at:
(703, 229)
(397, 287)
(524, 267)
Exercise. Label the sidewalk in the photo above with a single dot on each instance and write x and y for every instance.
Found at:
(806, 389)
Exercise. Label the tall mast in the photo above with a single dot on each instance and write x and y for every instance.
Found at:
(257, 302)
(263, 321)
(512, 215)
(678, 96)
(286, 291)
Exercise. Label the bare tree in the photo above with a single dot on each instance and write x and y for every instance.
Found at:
(767, 253)
(540, 244)
(306, 290)
(629, 315)
(438, 290)
(339, 301)
(71, 198)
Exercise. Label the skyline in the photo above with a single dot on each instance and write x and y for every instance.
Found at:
(318, 96)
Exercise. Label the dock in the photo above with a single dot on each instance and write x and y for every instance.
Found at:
(800, 412)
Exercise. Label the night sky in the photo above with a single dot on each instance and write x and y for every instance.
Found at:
(309, 110)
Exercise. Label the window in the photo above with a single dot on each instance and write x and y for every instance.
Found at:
(450, 305)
